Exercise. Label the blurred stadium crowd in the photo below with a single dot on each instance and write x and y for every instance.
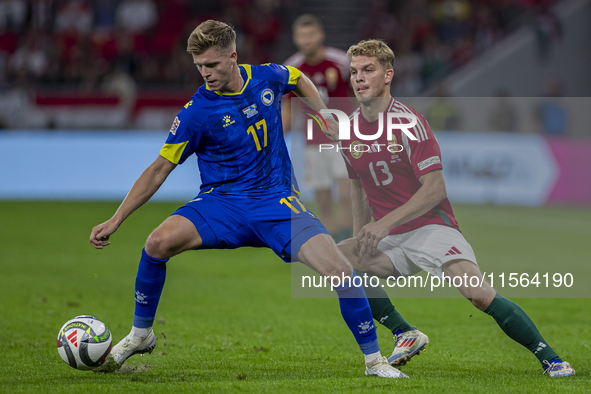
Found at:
(432, 38)
(88, 44)
(81, 43)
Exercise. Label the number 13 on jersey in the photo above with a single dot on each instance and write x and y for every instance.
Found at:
(385, 169)
(260, 125)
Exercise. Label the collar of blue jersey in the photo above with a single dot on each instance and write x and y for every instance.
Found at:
(246, 75)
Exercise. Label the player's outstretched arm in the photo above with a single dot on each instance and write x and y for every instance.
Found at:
(307, 91)
(141, 191)
(431, 193)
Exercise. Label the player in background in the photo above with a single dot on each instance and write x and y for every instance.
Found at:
(248, 196)
(415, 228)
(328, 68)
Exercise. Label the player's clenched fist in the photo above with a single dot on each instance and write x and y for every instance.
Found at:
(99, 236)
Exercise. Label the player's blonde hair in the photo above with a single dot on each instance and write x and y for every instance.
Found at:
(211, 34)
(373, 48)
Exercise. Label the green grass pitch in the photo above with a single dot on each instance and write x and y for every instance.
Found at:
(227, 322)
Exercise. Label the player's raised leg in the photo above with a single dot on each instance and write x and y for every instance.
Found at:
(509, 316)
(321, 254)
(408, 340)
(175, 235)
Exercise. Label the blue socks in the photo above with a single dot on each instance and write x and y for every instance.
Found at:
(357, 314)
(355, 309)
(149, 283)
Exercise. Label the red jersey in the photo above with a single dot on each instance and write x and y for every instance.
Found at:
(331, 77)
(390, 176)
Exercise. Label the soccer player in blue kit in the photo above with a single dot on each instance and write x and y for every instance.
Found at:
(248, 195)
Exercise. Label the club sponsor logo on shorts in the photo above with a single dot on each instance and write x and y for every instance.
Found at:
(250, 111)
(429, 162)
(356, 149)
(267, 97)
(175, 125)
(453, 251)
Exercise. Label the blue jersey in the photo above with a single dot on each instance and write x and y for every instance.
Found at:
(237, 137)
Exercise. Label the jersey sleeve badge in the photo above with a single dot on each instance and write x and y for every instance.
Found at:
(429, 162)
(175, 125)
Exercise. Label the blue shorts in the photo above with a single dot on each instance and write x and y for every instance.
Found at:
(277, 221)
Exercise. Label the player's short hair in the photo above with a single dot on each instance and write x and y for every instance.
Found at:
(307, 20)
(373, 48)
(211, 34)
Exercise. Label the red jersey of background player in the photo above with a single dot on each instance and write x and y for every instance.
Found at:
(391, 179)
(331, 77)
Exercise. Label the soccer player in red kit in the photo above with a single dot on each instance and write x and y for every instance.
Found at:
(328, 68)
(399, 182)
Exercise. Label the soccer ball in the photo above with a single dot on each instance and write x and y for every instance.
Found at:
(84, 342)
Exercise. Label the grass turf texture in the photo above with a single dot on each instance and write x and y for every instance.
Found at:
(227, 322)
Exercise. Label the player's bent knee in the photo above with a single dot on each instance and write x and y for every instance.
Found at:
(348, 248)
(321, 254)
(344, 267)
(338, 270)
(364, 264)
(336, 267)
(159, 246)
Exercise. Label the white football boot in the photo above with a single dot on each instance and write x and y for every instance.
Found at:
(126, 348)
(558, 369)
(408, 344)
(380, 367)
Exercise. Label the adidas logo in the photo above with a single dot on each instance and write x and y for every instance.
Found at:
(407, 342)
(73, 338)
(452, 251)
(541, 347)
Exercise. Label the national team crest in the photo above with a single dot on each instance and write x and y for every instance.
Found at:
(250, 111)
(175, 125)
(267, 97)
(393, 145)
(356, 149)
